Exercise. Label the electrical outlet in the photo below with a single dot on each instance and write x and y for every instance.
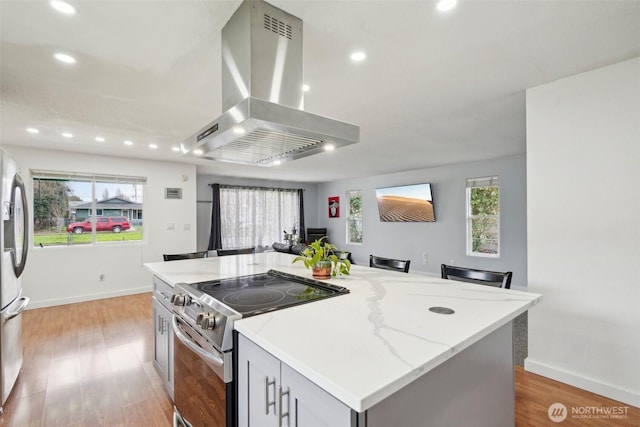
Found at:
(452, 262)
(101, 277)
(424, 258)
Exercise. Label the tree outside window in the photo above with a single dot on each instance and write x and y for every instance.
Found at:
(354, 217)
(483, 217)
(51, 204)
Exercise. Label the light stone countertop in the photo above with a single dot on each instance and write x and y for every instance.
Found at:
(363, 346)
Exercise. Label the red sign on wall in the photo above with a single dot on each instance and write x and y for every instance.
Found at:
(334, 207)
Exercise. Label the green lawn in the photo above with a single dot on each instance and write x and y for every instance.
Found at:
(58, 239)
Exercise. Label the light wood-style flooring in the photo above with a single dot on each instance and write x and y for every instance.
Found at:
(534, 395)
(90, 364)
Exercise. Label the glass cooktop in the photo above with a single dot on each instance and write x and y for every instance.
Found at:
(273, 290)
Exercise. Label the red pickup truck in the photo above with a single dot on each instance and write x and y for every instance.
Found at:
(103, 223)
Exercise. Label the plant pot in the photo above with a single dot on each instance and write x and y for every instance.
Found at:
(321, 270)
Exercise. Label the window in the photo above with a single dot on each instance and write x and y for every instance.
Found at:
(258, 217)
(483, 217)
(64, 205)
(354, 217)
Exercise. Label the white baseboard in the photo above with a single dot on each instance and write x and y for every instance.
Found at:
(628, 397)
(90, 297)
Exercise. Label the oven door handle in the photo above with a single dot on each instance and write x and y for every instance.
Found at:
(178, 419)
(214, 356)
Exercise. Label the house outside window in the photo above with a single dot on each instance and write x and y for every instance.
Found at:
(113, 206)
(354, 217)
(71, 201)
(483, 217)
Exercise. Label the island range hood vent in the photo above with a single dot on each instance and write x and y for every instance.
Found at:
(262, 95)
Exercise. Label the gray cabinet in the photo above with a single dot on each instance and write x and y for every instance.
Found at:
(163, 335)
(270, 393)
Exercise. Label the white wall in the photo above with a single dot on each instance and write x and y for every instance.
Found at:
(205, 196)
(583, 173)
(445, 239)
(64, 274)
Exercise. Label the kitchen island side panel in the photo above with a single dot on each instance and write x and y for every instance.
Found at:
(473, 388)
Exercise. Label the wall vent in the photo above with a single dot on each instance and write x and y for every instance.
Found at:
(173, 193)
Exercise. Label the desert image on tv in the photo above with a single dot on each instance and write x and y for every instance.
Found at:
(409, 209)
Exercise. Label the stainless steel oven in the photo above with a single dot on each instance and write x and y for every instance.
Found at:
(203, 317)
(203, 388)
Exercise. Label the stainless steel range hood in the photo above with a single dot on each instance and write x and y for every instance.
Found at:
(262, 95)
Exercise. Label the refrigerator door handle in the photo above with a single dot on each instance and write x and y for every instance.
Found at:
(18, 264)
(14, 313)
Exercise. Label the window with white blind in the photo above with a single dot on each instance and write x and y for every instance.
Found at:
(257, 217)
(86, 209)
(483, 217)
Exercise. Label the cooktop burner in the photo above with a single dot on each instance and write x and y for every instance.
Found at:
(258, 293)
(253, 297)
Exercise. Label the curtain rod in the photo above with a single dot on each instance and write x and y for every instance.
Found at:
(255, 187)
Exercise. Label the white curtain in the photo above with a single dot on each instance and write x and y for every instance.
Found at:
(257, 216)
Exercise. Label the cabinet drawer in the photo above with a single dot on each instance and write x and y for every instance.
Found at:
(162, 291)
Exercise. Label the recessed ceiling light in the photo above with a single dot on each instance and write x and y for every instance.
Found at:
(198, 152)
(445, 5)
(33, 130)
(238, 130)
(277, 162)
(67, 135)
(153, 146)
(63, 57)
(100, 139)
(63, 7)
(358, 56)
(329, 147)
(305, 88)
(127, 142)
(177, 149)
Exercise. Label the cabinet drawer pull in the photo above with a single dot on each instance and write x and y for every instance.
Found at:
(280, 409)
(267, 404)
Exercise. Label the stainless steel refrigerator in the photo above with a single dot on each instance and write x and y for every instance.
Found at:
(13, 248)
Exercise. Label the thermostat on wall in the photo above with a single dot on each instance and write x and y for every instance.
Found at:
(173, 193)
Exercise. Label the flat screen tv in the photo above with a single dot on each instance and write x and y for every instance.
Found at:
(406, 203)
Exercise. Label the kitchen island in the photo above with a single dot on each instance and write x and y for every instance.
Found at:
(380, 350)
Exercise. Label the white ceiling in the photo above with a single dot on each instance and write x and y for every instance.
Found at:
(436, 88)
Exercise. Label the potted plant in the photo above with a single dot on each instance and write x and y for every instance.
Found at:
(321, 258)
